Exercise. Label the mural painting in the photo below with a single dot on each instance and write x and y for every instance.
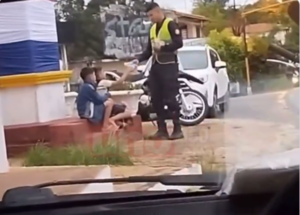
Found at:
(125, 35)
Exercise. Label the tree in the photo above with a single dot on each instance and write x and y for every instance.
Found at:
(215, 12)
(222, 3)
(89, 37)
(89, 32)
(229, 49)
(292, 38)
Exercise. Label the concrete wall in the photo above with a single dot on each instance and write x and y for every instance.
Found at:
(191, 31)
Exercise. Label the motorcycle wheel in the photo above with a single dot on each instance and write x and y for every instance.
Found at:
(199, 109)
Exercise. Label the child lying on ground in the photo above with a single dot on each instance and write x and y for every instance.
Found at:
(90, 104)
(119, 111)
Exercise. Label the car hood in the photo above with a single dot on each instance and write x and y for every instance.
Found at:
(198, 73)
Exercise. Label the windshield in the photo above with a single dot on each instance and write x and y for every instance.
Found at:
(193, 60)
(234, 114)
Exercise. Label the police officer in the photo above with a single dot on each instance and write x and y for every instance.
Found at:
(164, 41)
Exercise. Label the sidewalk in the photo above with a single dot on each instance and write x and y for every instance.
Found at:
(292, 100)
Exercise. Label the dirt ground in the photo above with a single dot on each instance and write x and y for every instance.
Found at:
(211, 144)
(216, 142)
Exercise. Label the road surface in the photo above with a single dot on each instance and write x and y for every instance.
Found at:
(254, 126)
(278, 107)
(292, 99)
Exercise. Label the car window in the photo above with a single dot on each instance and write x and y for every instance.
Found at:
(213, 57)
(192, 60)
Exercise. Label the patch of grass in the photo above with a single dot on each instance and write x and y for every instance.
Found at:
(99, 154)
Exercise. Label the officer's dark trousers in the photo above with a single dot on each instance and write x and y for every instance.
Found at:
(164, 87)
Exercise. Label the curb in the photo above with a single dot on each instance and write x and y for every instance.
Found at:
(109, 187)
(193, 170)
(100, 187)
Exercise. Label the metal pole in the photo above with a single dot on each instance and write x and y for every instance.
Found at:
(64, 59)
(249, 89)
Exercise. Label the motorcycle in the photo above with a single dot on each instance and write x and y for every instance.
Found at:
(191, 98)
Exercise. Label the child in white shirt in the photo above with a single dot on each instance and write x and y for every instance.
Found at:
(119, 111)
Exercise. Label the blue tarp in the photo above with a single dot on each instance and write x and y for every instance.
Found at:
(28, 57)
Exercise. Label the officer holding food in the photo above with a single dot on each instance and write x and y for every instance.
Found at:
(164, 41)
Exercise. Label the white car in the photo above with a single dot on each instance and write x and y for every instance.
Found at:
(204, 63)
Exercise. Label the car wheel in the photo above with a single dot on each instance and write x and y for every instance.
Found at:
(213, 111)
(224, 107)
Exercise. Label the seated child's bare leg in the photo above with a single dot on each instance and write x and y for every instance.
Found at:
(108, 109)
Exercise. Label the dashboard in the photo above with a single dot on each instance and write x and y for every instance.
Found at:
(174, 203)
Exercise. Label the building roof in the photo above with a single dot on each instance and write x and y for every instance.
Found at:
(187, 15)
(261, 28)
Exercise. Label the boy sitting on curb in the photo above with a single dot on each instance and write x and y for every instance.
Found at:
(90, 104)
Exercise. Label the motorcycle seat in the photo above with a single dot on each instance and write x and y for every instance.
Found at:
(190, 77)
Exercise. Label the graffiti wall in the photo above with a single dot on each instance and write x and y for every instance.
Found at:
(126, 34)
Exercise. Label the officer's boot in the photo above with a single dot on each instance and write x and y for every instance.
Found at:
(177, 132)
(161, 134)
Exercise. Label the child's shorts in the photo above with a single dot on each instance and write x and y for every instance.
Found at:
(117, 109)
(98, 114)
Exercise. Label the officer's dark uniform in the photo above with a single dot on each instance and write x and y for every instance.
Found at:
(163, 78)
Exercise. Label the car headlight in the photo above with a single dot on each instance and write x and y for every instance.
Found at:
(204, 78)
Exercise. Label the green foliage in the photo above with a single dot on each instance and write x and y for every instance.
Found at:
(230, 51)
(215, 12)
(292, 38)
(258, 46)
(89, 31)
(99, 154)
(222, 3)
(263, 16)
